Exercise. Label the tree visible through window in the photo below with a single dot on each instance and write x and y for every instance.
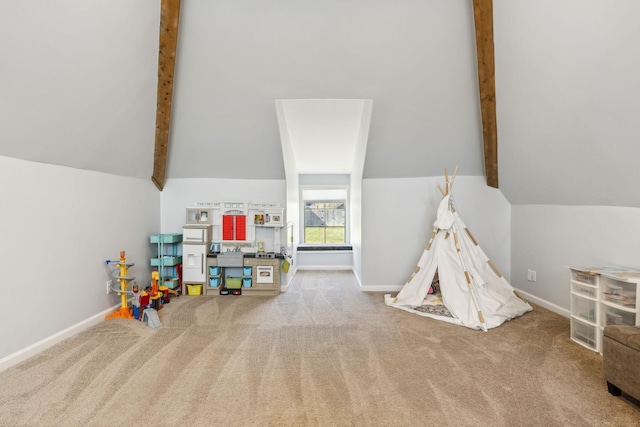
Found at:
(324, 222)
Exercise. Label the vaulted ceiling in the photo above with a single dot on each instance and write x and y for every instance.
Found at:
(234, 60)
(80, 82)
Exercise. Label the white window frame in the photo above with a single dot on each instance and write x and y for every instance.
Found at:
(327, 189)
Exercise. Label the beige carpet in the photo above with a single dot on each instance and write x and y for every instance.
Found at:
(322, 354)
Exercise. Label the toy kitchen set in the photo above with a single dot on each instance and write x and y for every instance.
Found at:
(232, 248)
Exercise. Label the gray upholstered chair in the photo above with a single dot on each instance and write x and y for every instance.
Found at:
(621, 358)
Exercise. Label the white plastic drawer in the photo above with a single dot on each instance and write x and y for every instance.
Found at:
(619, 293)
(584, 309)
(583, 290)
(584, 277)
(614, 316)
(584, 334)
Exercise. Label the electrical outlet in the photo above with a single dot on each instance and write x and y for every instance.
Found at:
(109, 288)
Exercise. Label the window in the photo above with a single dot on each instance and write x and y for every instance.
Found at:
(325, 216)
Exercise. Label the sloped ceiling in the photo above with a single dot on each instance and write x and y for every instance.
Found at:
(79, 88)
(568, 101)
(415, 60)
(78, 82)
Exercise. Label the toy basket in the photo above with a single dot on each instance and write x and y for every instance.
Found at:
(194, 289)
(233, 282)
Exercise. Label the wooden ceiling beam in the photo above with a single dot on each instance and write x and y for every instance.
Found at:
(483, 17)
(169, 18)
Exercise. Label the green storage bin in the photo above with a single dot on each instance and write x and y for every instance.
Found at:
(233, 282)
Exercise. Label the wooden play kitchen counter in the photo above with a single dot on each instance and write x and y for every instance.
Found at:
(254, 275)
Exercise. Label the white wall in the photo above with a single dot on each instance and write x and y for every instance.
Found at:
(179, 194)
(59, 225)
(293, 220)
(355, 191)
(292, 190)
(63, 223)
(355, 208)
(325, 260)
(547, 238)
(397, 221)
(397, 217)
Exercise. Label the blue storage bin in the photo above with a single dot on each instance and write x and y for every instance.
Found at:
(246, 282)
(214, 282)
(214, 270)
(246, 271)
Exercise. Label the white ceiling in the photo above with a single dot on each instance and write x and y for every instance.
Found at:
(79, 89)
(323, 133)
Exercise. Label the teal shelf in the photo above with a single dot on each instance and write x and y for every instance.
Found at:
(171, 283)
(166, 261)
(166, 238)
(168, 258)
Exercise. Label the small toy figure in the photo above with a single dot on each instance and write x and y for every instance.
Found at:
(154, 293)
(135, 303)
(155, 276)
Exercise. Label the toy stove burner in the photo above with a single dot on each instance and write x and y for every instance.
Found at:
(265, 255)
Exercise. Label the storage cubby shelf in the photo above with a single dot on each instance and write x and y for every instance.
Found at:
(168, 258)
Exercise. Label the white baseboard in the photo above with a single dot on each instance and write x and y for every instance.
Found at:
(380, 288)
(32, 350)
(355, 273)
(544, 303)
(324, 267)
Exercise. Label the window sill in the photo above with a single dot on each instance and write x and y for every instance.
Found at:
(325, 248)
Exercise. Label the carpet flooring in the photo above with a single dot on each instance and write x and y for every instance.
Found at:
(321, 354)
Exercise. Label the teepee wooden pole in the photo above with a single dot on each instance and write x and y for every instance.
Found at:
(472, 294)
(494, 268)
(441, 191)
(473, 239)
(446, 180)
(453, 177)
(455, 239)
(413, 274)
(433, 236)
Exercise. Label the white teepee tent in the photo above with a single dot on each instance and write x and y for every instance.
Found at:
(473, 293)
